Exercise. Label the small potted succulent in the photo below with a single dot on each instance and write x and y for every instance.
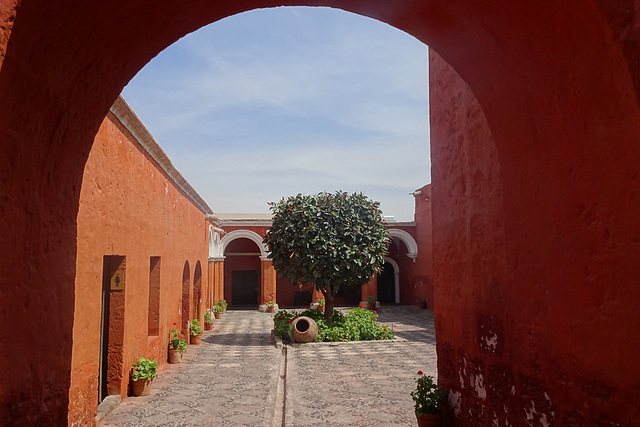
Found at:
(422, 303)
(208, 320)
(372, 302)
(196, 332)
(143, 371)
(429, 400)
(218, 309)
(177, 346)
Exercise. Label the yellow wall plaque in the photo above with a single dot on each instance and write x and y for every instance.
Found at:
(117, 281)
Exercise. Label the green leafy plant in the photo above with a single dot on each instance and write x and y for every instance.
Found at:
(321, 302)
(144, 369)
(177, 342)
(358, 324)
(333, 241)
(195, 327)
(207, 316)
(427, 396)
(222, 303)
(218, 308)
(270, 303)
(371, 299)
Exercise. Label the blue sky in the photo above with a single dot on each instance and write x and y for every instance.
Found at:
(276, 102)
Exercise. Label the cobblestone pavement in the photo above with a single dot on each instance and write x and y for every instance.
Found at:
(228, 380)
(235, 378)
(361, 383)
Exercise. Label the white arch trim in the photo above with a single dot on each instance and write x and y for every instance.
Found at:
(396, 277)
(408, 240)
(244, 234)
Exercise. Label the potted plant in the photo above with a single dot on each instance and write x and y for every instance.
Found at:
(196, 332)
(428, 399)
(218, 309)
(143, 372)
(422, 303)
(208, 320)
(372, 302)
(321, 304)
(177, 346)
(223, 303)
(271, 306)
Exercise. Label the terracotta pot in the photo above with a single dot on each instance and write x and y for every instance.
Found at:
(141, 387)
(422, 305)
(271, 309)
(196, 339)
(303, 329)
(429, 420)
(208, 326)
(372, 306)
(175, 356)
(217, 315)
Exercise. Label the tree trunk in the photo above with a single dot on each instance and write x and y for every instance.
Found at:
(328, 302)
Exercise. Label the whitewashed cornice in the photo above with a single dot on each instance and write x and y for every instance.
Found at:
(125, 114)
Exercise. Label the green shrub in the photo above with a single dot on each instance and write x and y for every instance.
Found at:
(358, 325)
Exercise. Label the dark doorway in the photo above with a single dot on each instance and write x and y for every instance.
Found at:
(245, 285)
(387, 284)
(111, 326)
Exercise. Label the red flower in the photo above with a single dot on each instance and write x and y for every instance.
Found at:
(419, 372)
(174, 323)
(290, 320)
(179, 336)
(394, 326)
(281, 316)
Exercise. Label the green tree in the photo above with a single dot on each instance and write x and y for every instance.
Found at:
(329, 240)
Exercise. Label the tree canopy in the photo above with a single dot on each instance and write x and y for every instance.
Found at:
(332, 240)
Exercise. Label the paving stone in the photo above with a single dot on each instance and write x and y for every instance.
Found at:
(231, 379)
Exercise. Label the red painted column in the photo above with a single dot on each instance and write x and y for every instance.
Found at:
(216, 266)
(268, 281)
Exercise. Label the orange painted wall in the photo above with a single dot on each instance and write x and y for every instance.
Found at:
(128, 207)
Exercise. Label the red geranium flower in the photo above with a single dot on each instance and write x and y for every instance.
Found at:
(174, 323)
(419, 372)
(290, 320)
(179, 336)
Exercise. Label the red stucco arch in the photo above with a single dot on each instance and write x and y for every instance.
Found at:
(556, 83)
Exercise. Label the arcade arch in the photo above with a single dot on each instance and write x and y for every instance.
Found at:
(556, 82)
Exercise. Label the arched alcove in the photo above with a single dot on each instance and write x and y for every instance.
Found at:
(186, 299)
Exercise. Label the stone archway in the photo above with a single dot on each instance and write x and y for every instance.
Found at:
(266, 274)
(553, 87)
(390, 273)
(407, 239)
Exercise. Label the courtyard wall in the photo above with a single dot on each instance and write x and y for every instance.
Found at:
(131, 210)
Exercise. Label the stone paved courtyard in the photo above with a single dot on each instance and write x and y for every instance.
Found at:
(238, 377)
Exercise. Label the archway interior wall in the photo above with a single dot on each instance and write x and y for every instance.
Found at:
(508, 302)
(555, 89)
